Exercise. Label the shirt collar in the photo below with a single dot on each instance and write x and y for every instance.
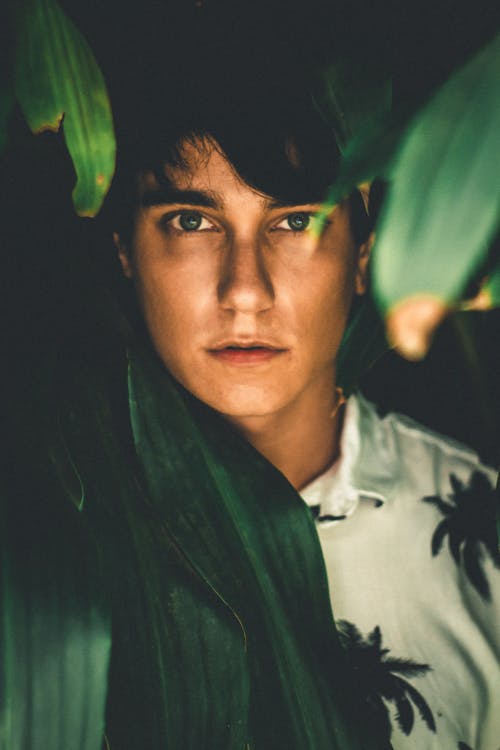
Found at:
(364, 470)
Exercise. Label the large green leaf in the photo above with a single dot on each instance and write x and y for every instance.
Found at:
(55, 632)
(357, 104)
(443, 206)
(222, 628)
(57, 80)
(178, 675)
(251, 538)
(442, 164)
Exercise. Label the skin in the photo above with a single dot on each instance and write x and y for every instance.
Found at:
(244, 276)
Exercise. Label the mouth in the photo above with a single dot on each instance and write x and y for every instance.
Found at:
(246, 353)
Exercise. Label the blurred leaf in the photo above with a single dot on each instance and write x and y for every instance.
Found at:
(411, 324)
(488, 296)
(490, 290)
(352, 93)
(368, 156)
(57, 80)
(55, 630)
(443, 207)
(371, 133)
(178, 672)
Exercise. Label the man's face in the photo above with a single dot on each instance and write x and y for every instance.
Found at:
(244, 306)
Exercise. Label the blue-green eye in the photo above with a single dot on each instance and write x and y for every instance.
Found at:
(299, 221)
(190, 221)
(187, 221)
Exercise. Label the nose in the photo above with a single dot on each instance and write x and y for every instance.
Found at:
(245, 285)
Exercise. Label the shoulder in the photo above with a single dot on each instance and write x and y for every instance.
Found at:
(416, 454)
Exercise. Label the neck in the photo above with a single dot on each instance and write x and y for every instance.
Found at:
(302, 439)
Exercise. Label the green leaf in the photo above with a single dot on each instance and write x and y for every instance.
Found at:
(443, 207)
(358, 108)
(207, 558)
(57, 80)
(489, 293)
(352, 93)
(55, 630)
(178, 675)
(252, 539)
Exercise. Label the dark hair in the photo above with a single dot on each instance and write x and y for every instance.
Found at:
(265, 123)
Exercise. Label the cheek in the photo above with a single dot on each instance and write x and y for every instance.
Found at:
(158, 283)
(168, 307)
(176, 304)
(325, 303)
(156, 294)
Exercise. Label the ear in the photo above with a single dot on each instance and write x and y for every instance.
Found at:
(123, 256)
(361, 280)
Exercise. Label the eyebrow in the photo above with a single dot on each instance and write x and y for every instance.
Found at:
(164, 196)
(161, 196)
(276, 203)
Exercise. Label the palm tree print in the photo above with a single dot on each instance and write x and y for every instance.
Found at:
(377, 678)
(470, 524)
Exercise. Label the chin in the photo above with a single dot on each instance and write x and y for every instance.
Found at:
(244, 402)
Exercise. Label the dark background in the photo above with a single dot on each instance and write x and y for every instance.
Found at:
(49, 256)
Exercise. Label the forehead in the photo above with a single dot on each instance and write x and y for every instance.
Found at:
(204, 174)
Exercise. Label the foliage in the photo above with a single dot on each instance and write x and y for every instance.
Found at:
(55, 633)
(442, 209)
(443, 206)
(488, 295)
(221, 620)
(351, 92)
(252, 540)
(56, 78)
(201, 569)
(58, 83)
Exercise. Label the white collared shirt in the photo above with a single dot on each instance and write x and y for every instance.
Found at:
(397, 591)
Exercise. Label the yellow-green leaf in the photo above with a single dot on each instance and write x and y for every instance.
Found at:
(491, 289)
(488, 296)
(57, 80)
(443, 207)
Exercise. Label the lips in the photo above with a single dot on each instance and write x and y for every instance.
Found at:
(246, 352)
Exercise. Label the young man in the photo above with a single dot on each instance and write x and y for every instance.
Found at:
(189, 544)
(245, 300)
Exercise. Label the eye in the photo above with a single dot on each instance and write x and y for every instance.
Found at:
(299, 221)
(187, 221)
